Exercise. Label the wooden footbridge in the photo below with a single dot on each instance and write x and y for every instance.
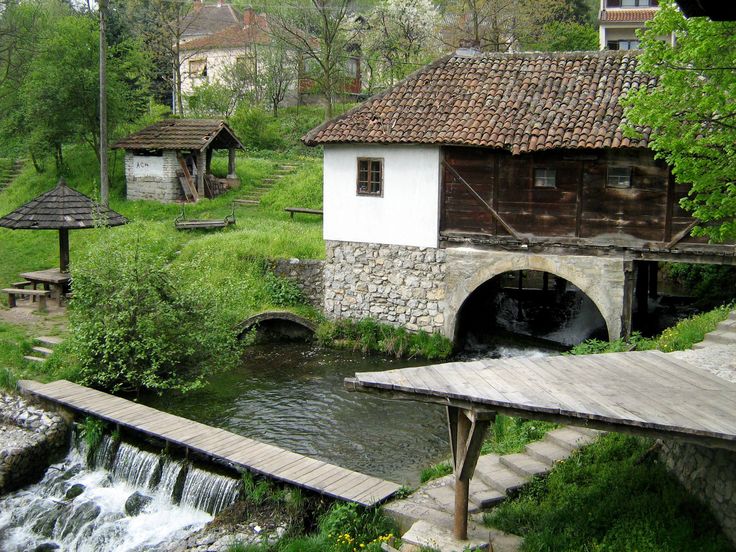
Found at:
(220, 445)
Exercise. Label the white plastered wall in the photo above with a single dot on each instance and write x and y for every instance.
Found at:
(408, 211)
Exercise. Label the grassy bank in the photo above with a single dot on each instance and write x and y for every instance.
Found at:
(609, 496)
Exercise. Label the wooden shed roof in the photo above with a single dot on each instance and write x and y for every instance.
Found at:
(521, 102)
(182, 134)
(62, 207)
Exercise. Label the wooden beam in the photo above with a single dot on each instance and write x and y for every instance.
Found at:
(467, 430)
(628, 299)
(681, 235)
(201, 169)
(491, 210)
(231, 163)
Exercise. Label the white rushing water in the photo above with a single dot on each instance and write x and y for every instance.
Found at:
(96, 520)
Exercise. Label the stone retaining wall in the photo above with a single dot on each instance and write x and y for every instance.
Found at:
(709, 474)
(393, 284)
(308, 274)
(30, 439)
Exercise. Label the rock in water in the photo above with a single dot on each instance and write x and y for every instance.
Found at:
(136, 502)
(74, 491)
(46, 547)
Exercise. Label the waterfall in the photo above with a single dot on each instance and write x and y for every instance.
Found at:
(136, 467)
(80, 506)
(209, 492)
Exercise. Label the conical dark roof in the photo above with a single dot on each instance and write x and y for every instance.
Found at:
(62, 207)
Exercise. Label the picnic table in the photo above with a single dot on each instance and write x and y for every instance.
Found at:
(51, 279)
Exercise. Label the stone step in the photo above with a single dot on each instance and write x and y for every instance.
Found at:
(288, 167)
(547, 452)
(246, 201)
(31, 358)
(428, 536)
(569, 438)
(523, 464)
(497, 476)
(480, 495)
(444, 496)
(407, 512)
(720, 337)
(45, 351)
(48, 340)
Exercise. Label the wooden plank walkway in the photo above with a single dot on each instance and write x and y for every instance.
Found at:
(229, 448)
(643, 392)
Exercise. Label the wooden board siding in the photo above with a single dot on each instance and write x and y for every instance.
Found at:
(581, 205)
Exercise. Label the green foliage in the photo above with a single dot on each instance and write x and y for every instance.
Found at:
(92, 430)
(349, 526)
(138, 323)
(691, 111)
(368, 336)
(710, 284)
(14, 344)
(568, 36)
(679, 337)
(281, 291)
(606, 498)
(257, 129)
(435, 472)
(509, 434)
(256, 490)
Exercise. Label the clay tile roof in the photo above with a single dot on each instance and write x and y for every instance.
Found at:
(520, 102)
(628, 16)
(236, 36)
(181, 134)
(208, 19)
(61, 207)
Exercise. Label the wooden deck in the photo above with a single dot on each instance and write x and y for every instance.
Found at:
(223, 446)
(649, 393)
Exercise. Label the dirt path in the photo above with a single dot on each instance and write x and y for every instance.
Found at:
(54, 322)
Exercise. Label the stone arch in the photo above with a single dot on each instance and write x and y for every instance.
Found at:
(600, 279)
(281, 323)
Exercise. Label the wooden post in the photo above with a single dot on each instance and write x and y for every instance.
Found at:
(104, 184)
(467, 430)
(201, 168)
(628, 300)
(63, 249)
(231, 163)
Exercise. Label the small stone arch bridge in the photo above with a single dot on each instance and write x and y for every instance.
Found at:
(278, 324)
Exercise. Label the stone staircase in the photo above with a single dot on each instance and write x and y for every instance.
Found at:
(42, 349)
(253, 195)
(724, 334)
(8, 174)
(496, 477)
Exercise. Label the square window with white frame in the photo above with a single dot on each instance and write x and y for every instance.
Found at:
(545, 178)
(618, 177)
(370, 177)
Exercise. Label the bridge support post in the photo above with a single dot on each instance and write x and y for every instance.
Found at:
(628, 299)
(467, 430)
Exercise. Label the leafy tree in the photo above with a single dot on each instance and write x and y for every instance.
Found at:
(692, 112)
(499, 25)
(138, 324)
(567, 36)
(319, 32)
(399, 37)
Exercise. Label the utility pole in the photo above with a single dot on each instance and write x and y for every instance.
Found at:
(104, 184)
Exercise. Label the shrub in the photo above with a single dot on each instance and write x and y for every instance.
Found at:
(257, 129)
(137, 323)
(347, 527)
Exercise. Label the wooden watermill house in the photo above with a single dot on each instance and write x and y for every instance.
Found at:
(170, 160)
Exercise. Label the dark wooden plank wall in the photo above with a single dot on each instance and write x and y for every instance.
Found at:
(581, 205)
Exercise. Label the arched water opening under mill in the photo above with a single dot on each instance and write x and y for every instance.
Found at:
(528, 304)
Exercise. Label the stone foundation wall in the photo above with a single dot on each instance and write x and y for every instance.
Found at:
(164, 187)
(30, 438)
(393, 284)
(307, 274)
(709, 474)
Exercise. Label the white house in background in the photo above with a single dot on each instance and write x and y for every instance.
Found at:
(620, 19)
(207, 19)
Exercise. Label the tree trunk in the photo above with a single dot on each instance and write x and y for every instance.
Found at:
(104, 184)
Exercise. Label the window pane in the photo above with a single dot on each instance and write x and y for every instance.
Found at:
(619, 177)
(370, 176)
(545, 178)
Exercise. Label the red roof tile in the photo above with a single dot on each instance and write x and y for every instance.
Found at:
(232, 37)
(181, 134)
(637, 15)
(520, 102)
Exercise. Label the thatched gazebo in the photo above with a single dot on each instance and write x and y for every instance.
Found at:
(62, 209)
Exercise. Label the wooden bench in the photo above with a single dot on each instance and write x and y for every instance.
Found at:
(182, 223)
(40, 294)
(292, 210)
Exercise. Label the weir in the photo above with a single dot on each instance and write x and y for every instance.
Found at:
(221, 446)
